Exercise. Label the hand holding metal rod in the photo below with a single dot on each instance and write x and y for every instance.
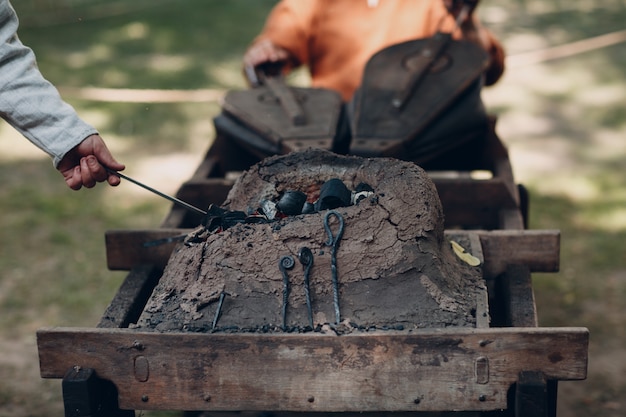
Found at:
(160, 194)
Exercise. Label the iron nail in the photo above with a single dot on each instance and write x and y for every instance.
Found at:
(286, 262)
(218, 312)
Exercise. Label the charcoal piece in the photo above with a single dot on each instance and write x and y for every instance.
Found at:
(363, 187)
(291, 203)
(308, 208)
(333, 194)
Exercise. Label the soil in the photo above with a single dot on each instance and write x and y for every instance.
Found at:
(395, 271)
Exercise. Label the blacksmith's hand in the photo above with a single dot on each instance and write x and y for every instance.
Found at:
(86, 164)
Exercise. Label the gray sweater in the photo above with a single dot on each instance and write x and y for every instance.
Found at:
(30, 103)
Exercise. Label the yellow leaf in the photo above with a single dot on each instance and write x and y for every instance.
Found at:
(464, 256)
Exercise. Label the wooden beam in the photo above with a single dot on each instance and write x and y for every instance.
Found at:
(205, 191)
(131, 298)
(519, 297)
(531, 395)
(471, 192)
(539, 249)
(127, 248)
(209, 167)
(474, 203)
(429, 370)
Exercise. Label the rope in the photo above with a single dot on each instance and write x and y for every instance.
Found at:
(128, 95)
(564, 51)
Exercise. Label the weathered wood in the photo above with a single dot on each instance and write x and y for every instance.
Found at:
(209, 167)
(205, 191)
(176, 217)
(511, 219)
(474, 203)
(130, 299)
(126, 248)
(531, 395)
(538, 249)
(431, 370)
(519, 298)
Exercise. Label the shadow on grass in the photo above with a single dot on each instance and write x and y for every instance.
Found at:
(165, 45)
(160, 45)
(590, 289)
(53, 258)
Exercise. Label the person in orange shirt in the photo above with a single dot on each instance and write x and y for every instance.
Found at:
(336, 38)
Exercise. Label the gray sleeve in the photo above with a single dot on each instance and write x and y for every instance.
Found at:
(30, 103)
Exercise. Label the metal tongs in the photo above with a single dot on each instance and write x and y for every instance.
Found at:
(159, 193)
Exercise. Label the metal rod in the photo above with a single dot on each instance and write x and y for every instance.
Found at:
(333, 242)
(306, 259)
(159, 193)
(218, 312)
(286, 263)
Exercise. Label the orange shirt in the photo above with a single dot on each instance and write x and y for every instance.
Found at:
(336, 38)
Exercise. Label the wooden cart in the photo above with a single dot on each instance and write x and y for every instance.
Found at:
(506, 366)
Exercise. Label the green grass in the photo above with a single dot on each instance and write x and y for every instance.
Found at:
(52, 255)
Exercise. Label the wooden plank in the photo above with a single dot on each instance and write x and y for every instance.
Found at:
(474, 203)
(538, 249)
(531, 395)
(209, 167)
(205, 191)
(474, 193)
(428, 370)
(126, 249)
(131, 298)
(519, 297)
(176, 217)
(511, 219)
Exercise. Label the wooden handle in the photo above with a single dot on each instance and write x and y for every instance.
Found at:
(287, 100)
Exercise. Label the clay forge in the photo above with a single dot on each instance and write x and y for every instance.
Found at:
(391, 269)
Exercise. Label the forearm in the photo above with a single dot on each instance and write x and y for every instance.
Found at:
(30, 103)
